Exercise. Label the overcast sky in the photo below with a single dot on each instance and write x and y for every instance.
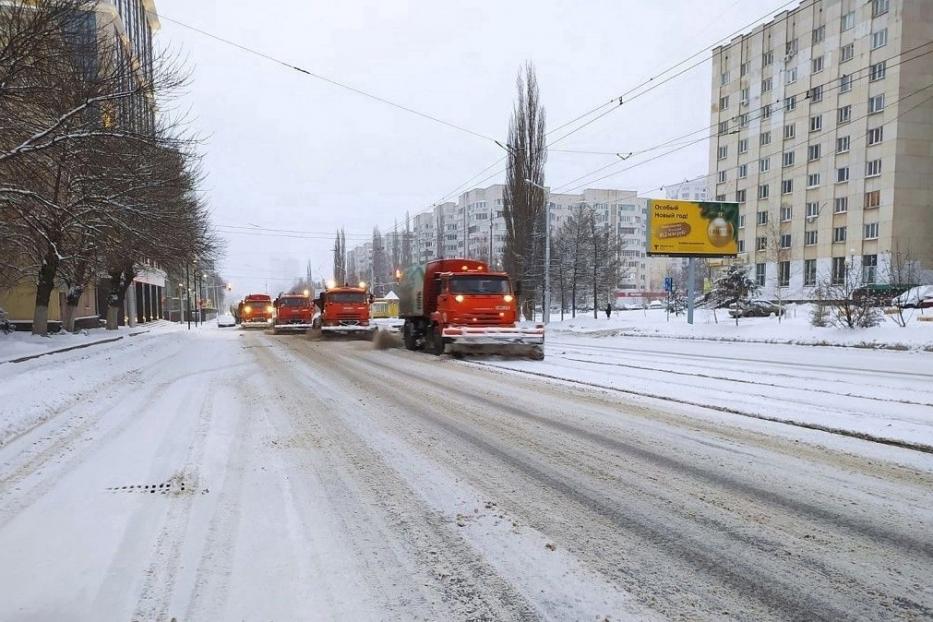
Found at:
(286, 151)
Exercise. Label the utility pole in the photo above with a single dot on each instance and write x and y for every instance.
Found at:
(188, 292)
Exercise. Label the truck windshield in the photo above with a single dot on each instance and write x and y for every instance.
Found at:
(346, 297)
(294, 302)
(479, 285)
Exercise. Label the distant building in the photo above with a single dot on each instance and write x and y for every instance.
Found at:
(688, 190)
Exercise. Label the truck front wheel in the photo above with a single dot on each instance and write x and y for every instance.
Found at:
(408, 335)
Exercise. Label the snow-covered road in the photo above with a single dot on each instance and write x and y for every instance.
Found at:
(228, 475)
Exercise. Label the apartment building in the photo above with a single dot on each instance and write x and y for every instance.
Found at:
(824, 120)
(688, 190)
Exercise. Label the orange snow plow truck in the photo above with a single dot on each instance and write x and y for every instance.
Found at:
(256, 311)
(459, 306)
(344, 311)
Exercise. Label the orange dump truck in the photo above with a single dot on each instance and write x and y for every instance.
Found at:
(293, 313)
(459, 306)
(256, 311)
(344, 311)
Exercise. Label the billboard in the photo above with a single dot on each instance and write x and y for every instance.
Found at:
(692, 228)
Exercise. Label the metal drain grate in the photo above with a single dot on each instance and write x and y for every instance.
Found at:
(171, 486)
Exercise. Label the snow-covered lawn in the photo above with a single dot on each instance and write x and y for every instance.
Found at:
(794, 328)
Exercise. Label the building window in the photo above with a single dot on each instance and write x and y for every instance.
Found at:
(848, 21)
(761, 243)
(745, 68)
(873, 168)
(816, 94)
(809, 272)
(720, 197)
(760, 274)
(847, 53)
(787, 186)
(743, 171)
(785, 240)
(724, 78)
(839, 270)
(839, 235)
(763, 191)
(723, 152)
(743, 145)
(783, 273)
(876, 135)
(845, 84)
(744, 96)
(818, 34)
(842, 174)
(879, 39)
(841, 205)
(764, 165)
(724, 102)
(813, 209)
(813, 180)
(743, 119)
(809, 238)
(741, 246)
(871, 231)
(844, 115)
(767, 84)
(813, 153)
(842, 144)
(816, 64)
(722, 176)
(762, 217)
(869, 268)
(723, 127)
(766, 111)
(879, 7)
(877, 71)
(791, 76)
(872, 199)
(740, 196)
(787, 159)
(742, 219)
(764, 138)
(790, 103)
(790, 130)
(816, 123)
(767, 58)
(786, 213)
(876, 104)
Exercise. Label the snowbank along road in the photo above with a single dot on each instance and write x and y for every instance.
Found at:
(228, 475)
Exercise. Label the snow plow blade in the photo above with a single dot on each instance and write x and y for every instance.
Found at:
(504, 340)
(364, 332)
(262, 324)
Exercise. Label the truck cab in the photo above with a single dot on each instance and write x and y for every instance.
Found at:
(345, 310)
(293, 313)
(256, 311)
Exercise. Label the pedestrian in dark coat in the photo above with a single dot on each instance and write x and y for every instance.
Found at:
(608, 310)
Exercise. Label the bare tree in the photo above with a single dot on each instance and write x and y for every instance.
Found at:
(340, 257)
(903, 274)
(524, 196)
(379, 264)
(604, 259)
(849, 306)
(778, 251)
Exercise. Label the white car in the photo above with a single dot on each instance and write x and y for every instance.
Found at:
(916, 298)
(226, 320)
(656, 304)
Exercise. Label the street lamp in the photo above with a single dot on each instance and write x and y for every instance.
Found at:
(546, 310)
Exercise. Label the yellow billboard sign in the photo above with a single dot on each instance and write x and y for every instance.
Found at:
(692, 228)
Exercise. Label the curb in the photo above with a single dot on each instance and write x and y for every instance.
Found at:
(30, 357)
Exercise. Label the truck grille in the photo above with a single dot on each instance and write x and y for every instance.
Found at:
(480, 319)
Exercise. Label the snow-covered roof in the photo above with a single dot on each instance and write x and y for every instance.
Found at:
(390, 296)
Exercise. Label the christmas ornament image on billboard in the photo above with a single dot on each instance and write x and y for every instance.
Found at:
(692, 228)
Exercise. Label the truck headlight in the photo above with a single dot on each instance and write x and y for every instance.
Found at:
(459, 297)
(270, 309)
(507, 298)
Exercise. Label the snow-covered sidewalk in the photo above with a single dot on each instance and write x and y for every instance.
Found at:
(20, 345)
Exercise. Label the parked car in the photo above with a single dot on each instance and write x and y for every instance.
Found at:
(878, 294)
(226, 320)
(755, 308)
(656, 304)
(920, 297)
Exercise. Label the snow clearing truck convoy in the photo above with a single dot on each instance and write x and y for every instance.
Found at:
(344, 311)
(459, 306)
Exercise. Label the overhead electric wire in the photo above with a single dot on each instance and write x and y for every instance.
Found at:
(324, 78)
(566, 187)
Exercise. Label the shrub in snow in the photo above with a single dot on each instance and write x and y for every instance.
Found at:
(819, 313)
